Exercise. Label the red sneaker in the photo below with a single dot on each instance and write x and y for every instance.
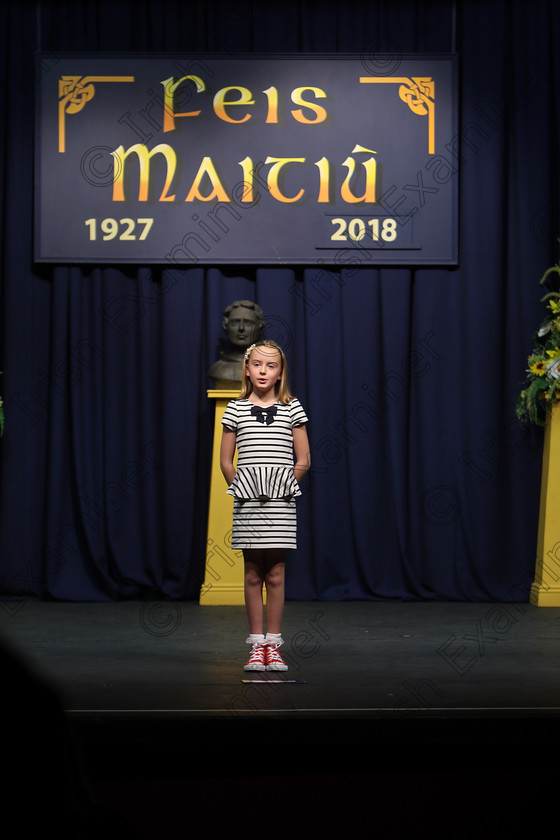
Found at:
(274, 661)
(256, 661)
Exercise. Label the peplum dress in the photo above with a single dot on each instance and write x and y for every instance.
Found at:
(264, 487)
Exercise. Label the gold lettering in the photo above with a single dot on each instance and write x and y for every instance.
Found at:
(271, 94)
(207, 168)
(370, 166)
(144, 157)
(323, 166)
(169, 88)
(274, 174)
(318, 110)
(220, 103)
(248, 175)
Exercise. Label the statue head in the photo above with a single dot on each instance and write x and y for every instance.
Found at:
(243, 323)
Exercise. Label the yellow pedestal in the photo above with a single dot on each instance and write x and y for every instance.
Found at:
(545, 590)
(223, 580)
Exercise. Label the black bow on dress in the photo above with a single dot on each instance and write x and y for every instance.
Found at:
(264, 414)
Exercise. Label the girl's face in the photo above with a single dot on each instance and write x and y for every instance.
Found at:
(264, 369)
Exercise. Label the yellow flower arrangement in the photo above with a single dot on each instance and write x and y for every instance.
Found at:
(537, 365)
(542, 385)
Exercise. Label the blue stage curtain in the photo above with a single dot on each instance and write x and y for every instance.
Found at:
(423, 485)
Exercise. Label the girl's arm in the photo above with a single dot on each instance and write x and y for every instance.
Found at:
(227, 451)
(302, 453)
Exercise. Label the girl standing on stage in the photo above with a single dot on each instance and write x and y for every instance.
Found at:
(267, 426)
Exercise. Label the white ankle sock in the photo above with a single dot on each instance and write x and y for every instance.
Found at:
(254, 638)
(274, 638)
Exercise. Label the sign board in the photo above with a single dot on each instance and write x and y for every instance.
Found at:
(253, 159)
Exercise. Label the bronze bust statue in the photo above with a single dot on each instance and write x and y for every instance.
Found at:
(243, 323)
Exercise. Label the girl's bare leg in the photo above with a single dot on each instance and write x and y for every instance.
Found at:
(253, 583)
(274, 576)
(264, 566)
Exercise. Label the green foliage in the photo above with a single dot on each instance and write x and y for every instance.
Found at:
(542, 384)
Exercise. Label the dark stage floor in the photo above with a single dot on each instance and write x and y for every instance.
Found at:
(380, 661)
(395, 702)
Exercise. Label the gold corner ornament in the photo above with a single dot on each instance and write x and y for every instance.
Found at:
(73, 94)
(418, 92)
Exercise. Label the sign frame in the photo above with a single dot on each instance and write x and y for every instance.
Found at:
(363, 201)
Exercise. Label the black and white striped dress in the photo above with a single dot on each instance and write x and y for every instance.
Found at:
(264, 487)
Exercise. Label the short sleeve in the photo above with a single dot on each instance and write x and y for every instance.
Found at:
(229, 420)
(297, 415)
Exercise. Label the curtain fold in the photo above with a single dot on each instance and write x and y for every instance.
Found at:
(423, 486)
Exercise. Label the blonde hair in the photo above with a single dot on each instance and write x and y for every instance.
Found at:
(282, 387)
